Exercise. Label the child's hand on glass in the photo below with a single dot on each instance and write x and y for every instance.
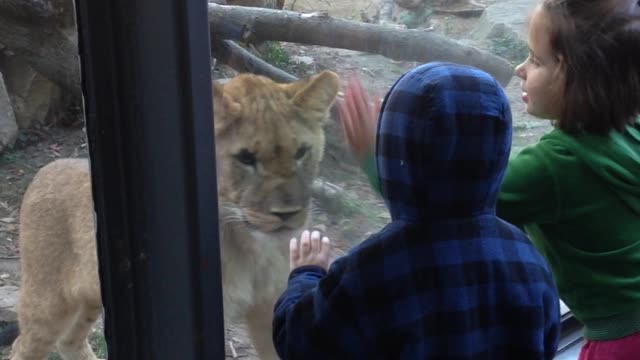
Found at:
(310, 250)
(359, 118)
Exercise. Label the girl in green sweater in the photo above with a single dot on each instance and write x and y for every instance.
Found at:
(577, 191)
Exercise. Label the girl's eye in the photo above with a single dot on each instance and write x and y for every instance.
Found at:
(533, 60)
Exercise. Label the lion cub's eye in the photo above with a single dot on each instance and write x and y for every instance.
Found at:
(302, 151)
(246, 157)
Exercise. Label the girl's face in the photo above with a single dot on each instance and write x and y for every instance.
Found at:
(542, 72)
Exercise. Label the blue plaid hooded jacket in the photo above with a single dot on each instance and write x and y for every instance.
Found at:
(446, 279)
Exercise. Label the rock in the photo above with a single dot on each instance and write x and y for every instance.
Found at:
(504, 17)
(416, 18)
(306, 60)
(8, 126)
(64, 13)
(8, 298)
(35, 99)
(502, 28)
(41, 102)
(463, 10)
(409, 4)
(17, 74)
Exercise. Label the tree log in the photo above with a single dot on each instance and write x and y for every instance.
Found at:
(50, 52)
(254, 25)
(46, 48)
(232, 54)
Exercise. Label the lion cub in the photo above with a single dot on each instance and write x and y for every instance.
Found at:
(269, 142)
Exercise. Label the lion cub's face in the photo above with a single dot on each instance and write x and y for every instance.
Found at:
(269, 141)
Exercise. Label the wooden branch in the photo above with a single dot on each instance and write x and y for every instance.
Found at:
(46, 49)
(254, 24)
(232, 54)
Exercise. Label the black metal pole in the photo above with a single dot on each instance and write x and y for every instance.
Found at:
(148, 107)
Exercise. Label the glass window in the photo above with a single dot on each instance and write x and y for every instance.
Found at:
(283, 162)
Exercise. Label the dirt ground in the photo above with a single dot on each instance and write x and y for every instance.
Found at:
(37, 147)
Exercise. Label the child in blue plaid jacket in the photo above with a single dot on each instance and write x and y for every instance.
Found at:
(446, 279)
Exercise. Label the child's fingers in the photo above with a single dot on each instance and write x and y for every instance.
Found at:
(363, 100)
(345, 119)
(294, 253)
(356, 84)
(376, 108)
(293, 247)
(375, 113)
(315, 243)
(305, 245)
(358, 118)
(326, 248)
(365, 113)
(362, 104)
(354, 122)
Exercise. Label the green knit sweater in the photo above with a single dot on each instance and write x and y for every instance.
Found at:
(578, 198)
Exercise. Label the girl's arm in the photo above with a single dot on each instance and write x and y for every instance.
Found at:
(528, 193)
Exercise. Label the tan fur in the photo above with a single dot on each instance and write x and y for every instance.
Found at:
(262, 206)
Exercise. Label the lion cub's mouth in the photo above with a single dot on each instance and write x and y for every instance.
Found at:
(269, 223)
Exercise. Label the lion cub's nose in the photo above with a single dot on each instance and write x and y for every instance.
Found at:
(285, 215)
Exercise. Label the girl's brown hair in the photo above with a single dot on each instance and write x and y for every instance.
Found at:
(600, 51)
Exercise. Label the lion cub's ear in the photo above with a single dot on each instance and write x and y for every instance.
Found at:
(317, 93)
(225, 108)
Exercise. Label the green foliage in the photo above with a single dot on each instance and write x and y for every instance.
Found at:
(99, 344)
(277, 56)
(8, 157)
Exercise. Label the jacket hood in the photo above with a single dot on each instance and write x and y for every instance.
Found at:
(443, 142)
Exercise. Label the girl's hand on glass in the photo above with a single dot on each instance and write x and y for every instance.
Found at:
(359, 117)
